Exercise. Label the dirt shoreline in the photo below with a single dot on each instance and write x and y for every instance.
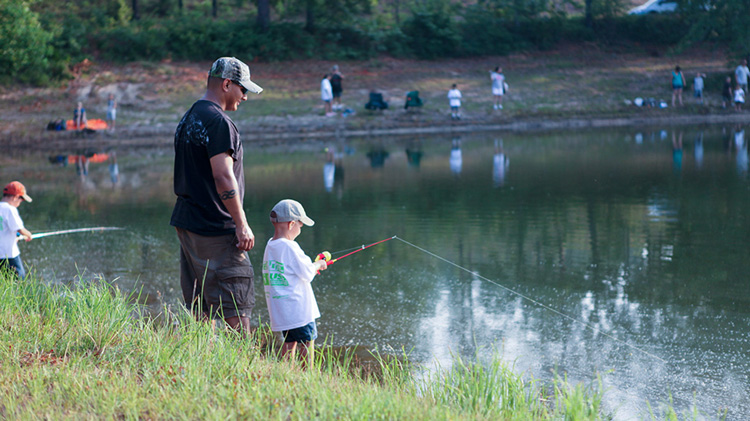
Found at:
(548, 91)
(270, 132)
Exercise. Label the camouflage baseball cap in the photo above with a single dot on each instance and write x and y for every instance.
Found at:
(237, 71)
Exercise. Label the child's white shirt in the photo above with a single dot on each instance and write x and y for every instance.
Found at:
(454, 96)
(326, 90)
(10, 224)
(739, 95)
(287, 274)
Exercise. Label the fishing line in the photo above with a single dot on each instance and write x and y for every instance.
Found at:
(593, 328)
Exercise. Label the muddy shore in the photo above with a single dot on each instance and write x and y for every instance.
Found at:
(548, 91)
(271, 130)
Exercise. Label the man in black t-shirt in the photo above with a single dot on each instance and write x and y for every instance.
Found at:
(215, 273)
(336, 88)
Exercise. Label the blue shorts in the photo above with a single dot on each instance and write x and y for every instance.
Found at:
(306, 333)
(14, 264)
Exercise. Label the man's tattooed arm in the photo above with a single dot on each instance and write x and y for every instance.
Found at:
(228, 194)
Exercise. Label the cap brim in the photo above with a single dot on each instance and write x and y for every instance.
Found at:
(307, 221)
(26, 197)
(251, 87)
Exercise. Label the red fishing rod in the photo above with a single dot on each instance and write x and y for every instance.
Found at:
(327, 256)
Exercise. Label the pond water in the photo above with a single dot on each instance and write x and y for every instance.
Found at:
(622, 253)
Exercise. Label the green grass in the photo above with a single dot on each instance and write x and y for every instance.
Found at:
(86, 351)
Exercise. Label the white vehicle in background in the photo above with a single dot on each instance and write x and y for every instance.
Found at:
(654, 6)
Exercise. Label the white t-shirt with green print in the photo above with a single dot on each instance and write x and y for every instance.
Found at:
(287, 274)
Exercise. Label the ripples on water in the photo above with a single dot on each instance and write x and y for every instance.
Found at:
(635, 236)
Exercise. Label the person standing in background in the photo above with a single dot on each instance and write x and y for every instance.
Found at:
(698, 86)
(326, 95)
(454, 100)
(111, 111)
(79, 116)
(336, 87)
(678, 83)
(499, 87)
(741, 73)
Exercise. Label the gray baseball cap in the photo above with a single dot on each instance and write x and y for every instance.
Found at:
(234, 69)
(290, 210)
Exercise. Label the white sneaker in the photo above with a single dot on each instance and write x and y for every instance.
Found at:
(500, 107)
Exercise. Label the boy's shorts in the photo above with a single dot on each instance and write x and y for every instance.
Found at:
(699, 93)
(227, 290)
(306, 333)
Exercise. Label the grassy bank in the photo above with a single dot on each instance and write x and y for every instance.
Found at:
(78, 352)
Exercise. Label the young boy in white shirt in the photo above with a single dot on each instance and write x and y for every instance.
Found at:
(287, 274)
(11, 225)
(454, 99)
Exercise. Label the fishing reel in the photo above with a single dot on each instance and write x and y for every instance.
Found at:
(323, 256)
(326, 256)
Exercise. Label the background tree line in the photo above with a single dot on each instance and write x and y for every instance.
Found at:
(41, 39)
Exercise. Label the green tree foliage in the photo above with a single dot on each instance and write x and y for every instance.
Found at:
(723, 21)
(24, 44)
(38, 38)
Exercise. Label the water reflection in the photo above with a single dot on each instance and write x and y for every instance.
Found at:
(414, 153)
(456, 158)
(698, 150)
(740, 146)
(593, 225)
(677, 152)
(378, 154)
(333, 172)
(500, 164)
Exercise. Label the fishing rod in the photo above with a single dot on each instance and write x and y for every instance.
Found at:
(71, 231)
(327, 256)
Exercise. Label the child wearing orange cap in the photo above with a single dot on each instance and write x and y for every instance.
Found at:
(11, 225)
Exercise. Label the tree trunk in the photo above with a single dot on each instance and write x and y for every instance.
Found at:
(214, 8)
(264, 15)
(589, 16)
(136, 15)
(310, 15)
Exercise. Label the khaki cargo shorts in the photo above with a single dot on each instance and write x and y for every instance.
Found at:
(216, 277)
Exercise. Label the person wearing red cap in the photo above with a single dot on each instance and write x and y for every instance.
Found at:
(11, 225)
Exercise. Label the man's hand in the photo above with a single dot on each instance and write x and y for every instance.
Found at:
(245, 238)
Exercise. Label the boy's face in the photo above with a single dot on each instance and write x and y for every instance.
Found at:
(15, 201)
(295, 228)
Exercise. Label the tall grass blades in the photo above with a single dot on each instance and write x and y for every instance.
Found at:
(85, 351)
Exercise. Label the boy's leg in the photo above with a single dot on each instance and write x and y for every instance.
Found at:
(288, 349)
(307, 352)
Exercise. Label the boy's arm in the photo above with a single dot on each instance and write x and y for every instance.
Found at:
(25, 233)
(320, 265)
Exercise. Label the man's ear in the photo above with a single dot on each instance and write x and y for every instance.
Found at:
(225, 85)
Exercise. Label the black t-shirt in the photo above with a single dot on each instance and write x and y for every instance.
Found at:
(336, 82)
(204, 132)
